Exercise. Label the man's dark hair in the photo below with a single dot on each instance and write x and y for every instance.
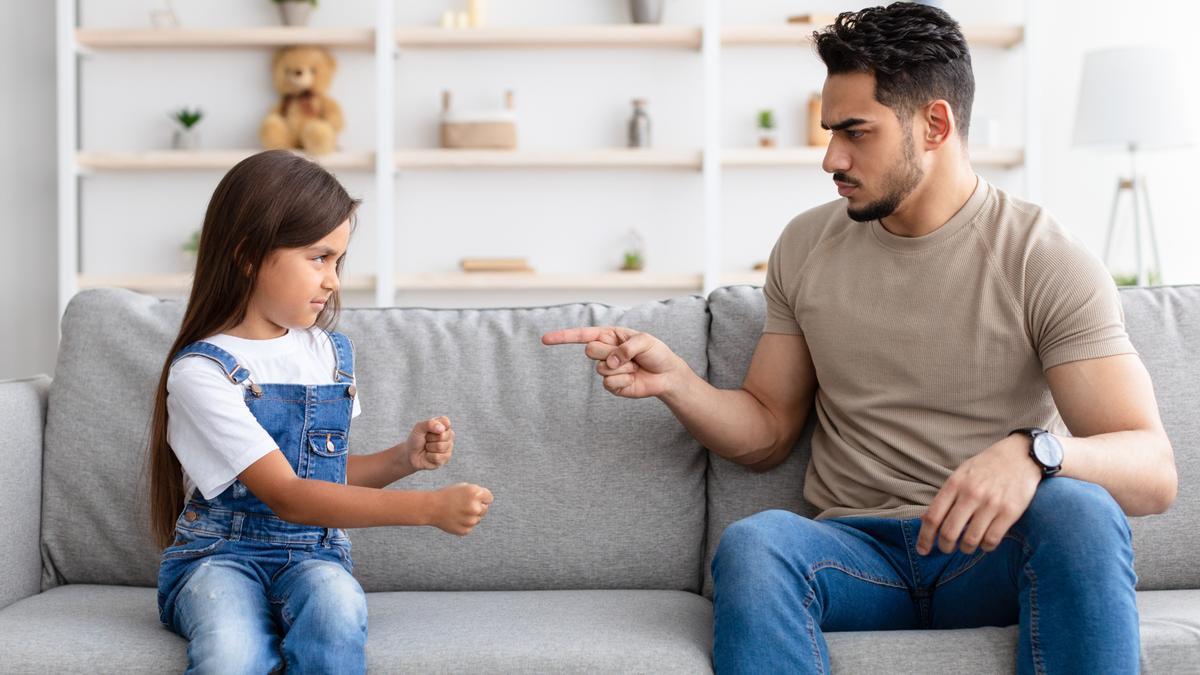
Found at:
(917, 54)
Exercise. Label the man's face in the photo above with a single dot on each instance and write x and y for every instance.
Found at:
(871, 154)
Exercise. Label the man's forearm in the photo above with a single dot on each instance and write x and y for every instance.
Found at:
(730, 422)
(1136, 467)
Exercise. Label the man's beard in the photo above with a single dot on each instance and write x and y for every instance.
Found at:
(899, 183)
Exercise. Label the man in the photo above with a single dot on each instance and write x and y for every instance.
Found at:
(948, 337)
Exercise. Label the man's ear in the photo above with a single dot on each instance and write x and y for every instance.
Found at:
(940, 124)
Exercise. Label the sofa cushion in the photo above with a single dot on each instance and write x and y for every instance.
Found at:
(735, 492)
(24, 404)
(1164, 325)
(1170, 630)
(592, 491)
(73, 628)
(505, 631)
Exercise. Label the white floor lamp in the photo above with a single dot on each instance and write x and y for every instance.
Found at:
(1135, 98)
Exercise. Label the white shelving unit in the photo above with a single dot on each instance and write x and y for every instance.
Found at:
(387, 41)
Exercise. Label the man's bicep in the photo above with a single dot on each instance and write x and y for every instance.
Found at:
(782, 378)
(1104, 395)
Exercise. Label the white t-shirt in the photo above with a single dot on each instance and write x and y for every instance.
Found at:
(213, 433)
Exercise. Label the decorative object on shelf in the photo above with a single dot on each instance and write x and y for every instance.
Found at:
(818, 136)
(477, 13)
(496, 130)
(634, 259)
(164, 17)
(305, 117)
(192, 246)
(186, 137)
(1135, 98)
(766, 128)
(813, 18)
(495, 265)
(639, 125)
(760, 267)
(646, 11)
(474, 17)
(295, 12)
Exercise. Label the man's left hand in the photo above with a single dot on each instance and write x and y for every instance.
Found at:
(982, 499)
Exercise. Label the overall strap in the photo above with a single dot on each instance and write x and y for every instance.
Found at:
(343, 370)
(236, 372)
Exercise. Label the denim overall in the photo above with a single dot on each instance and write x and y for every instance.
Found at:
(270, 568)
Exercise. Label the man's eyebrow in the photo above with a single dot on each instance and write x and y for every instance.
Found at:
(844, 124)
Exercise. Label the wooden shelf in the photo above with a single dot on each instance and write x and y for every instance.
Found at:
(520, 281)
(181, 283)
(611, 158)
(223, 38)
(800, 34)
(997, 157)
(217, 160)
(615, 36)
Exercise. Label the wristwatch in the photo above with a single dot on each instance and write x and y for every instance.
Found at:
(1045, 449)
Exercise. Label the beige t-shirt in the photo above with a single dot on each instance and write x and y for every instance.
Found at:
(929, 349)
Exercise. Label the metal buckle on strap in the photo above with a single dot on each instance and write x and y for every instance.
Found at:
(232, 375)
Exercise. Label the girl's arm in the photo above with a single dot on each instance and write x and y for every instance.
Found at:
(457, 509)
(428, 446)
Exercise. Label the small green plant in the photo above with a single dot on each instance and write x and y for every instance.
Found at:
(633, 261)
(192, 245)
(766, 119)
(1152, 279)
(187, 118)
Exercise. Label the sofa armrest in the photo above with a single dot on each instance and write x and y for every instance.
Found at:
(24, 405)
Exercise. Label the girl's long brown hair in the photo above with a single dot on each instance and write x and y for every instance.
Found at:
(271, 200)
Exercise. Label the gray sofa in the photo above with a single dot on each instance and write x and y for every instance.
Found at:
(594, 556)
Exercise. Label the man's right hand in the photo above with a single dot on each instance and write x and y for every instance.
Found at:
(633, 364)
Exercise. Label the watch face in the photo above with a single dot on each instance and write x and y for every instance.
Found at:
(1048, 450)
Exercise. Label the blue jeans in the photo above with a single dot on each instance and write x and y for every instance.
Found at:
(253, 607)
(1063, 573)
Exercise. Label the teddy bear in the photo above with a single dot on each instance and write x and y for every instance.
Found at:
(305, 117)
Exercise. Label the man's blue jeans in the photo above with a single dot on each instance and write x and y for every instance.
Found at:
(1064, 573)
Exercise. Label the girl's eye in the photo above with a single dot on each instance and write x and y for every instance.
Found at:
(320, 259)
(854, 133)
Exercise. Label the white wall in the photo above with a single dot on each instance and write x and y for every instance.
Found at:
(28, 293)
(563, 221)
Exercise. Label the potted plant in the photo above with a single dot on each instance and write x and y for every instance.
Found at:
(186, 137)
(295, 12)
(766, 128)
(192, 246)
(634, 260)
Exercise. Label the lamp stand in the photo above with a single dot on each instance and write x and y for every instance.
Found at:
(1135, 186)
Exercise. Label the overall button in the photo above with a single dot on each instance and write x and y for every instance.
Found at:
(190, 516)
(352, 391)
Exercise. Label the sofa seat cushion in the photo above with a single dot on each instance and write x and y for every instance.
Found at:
(1170, 643)
(85, 628)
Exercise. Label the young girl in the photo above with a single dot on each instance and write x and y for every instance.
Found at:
(250, 478)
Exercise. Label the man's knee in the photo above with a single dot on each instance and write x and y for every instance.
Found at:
(1077, 519)
(752, 541)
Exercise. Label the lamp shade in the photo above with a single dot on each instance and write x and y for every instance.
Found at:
(1134, 96)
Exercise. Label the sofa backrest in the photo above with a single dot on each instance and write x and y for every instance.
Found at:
(1164, 325)
(591, 491)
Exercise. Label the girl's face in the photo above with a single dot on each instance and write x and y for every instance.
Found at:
(294, 285)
